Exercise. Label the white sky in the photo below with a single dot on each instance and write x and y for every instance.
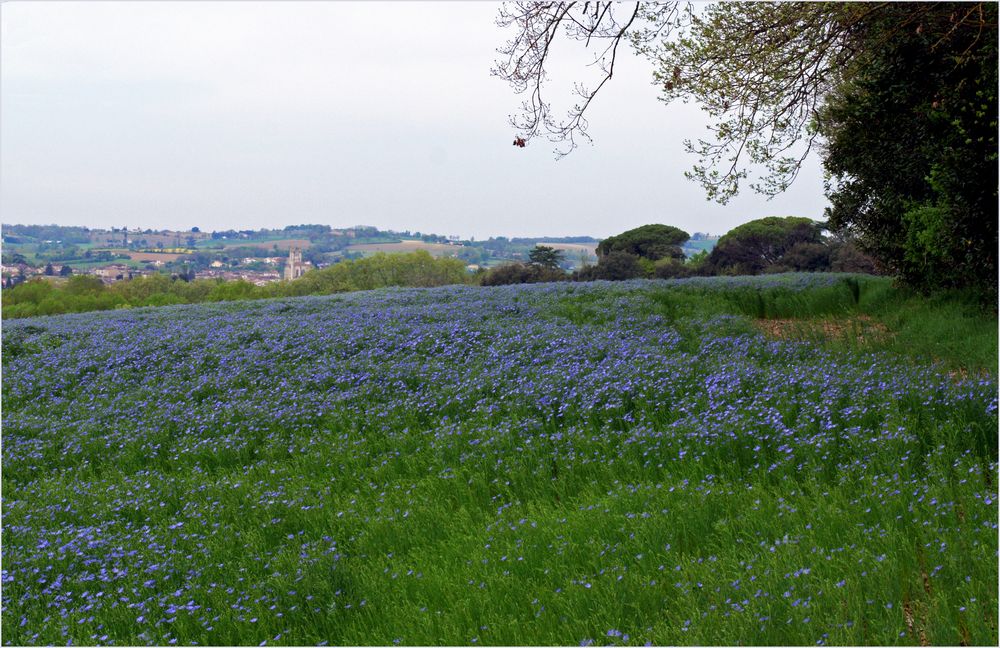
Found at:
(264, 114)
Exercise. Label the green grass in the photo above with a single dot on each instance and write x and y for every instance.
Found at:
(538, 465)
(951, 329)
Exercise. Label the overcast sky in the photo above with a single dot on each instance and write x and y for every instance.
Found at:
(247, 115)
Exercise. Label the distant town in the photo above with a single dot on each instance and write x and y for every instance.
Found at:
(258, 256)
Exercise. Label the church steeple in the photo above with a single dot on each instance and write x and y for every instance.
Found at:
(294, 268)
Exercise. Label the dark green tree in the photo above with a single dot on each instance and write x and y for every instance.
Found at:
(847, 257)
(912, 146)
(753, 247)
(519, 273)
(49, 270)
(616, 266)
(545, 256)
(806, 257)
(65, 271)
(651, 242)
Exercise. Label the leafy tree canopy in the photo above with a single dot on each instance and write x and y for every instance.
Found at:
(519, 273)
(899, 98)
(752, 247)
(651, 242)
(617, 265)
(912, 146)
(545, 256)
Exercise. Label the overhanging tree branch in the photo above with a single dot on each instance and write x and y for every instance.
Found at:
(762, 72)
(525, 57)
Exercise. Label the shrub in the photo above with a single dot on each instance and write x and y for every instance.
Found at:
(671, 269)
(807, 257)
(848, 257)
(615, 266)
(519, 273)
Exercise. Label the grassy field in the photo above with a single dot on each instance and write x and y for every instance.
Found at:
(782, 460)
(436, 249)
(146, 256)
(283, 244)
(83, 264)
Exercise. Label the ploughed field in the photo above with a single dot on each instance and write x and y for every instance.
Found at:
(596, 463)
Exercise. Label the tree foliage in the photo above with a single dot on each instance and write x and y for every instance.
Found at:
(900, 99)
(538, 25)
(545, 256)
(415, 269)
(616, 265)
(760, 244)
(520, 273)
(651, 242)
(912, 146)
(644, 251)
(760, 71)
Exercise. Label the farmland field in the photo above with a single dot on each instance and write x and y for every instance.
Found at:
(607, 464)
(572, 248)
(147, 256)
(281, 244)
(437, 249)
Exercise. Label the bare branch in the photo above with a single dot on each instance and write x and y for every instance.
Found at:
(762, 72)
(526, 58)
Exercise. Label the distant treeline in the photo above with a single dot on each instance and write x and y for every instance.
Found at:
(24, 233)
(763, 246)
(88, 293)
(554, 239)
(767, 245)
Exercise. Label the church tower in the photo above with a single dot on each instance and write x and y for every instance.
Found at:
(294, 268)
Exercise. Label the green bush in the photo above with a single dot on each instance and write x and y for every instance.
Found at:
(615, 266)
(519, 273)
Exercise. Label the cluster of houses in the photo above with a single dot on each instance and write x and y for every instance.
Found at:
(15, 273)
(256, 278)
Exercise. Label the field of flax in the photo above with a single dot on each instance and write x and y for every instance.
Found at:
(580, 464)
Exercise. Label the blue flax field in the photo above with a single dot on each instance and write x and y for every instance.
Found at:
(553, 464)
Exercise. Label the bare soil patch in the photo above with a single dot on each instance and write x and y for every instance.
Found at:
(859, 329)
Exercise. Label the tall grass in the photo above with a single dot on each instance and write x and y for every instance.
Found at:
(873, 314)
(560, 464)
